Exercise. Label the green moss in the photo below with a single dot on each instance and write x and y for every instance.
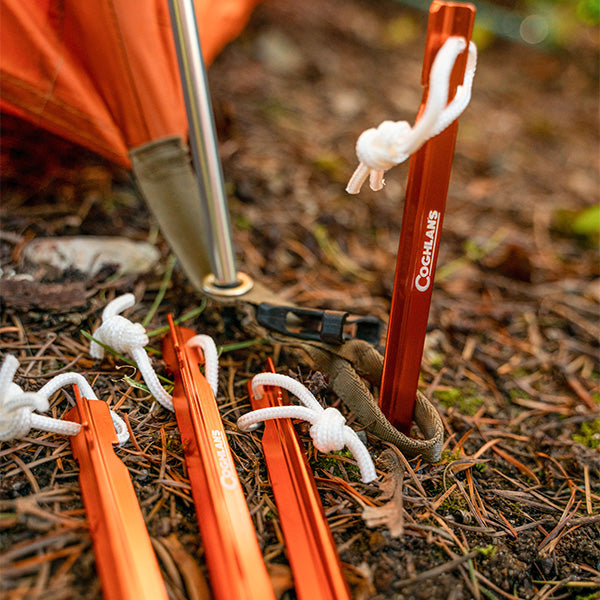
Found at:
(519, 373)
(449, 457)
(329, 462)
(589, 434)
(488, 551)
(448, 397)
(436, 360)
(455, 502)
(467, 404)
(588, 12)
(517, 393)
(592, 596)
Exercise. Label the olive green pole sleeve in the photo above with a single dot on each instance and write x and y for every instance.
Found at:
(167, 182)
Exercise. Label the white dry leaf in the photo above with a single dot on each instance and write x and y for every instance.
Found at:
(390, 514)
(89, 254)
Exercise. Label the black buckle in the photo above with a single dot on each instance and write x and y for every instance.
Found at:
(318, 325)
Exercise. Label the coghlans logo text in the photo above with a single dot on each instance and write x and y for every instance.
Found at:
(423, 279)
(227, 478)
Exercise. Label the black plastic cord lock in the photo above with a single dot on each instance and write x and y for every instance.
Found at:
(329, 326)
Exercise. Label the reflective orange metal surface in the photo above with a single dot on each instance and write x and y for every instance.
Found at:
(235, 563)
(310, 547)
(126, 562)
(427, 187)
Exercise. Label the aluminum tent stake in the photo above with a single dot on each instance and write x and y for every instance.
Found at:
(310, 547)
(425, 203)
(225, 279)
(126, 561)
(235, 562)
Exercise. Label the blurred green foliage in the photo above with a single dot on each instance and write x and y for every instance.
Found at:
(588, 11)
(583, 224)
(587, 222)
(548, 23)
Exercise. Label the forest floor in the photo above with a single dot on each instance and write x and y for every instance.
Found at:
(511, 360)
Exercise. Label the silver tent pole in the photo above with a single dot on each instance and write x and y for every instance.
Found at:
(225, 279)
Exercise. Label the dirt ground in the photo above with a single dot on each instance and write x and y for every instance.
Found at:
(511, 358)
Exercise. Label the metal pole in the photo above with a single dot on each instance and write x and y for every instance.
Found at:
(203, 141)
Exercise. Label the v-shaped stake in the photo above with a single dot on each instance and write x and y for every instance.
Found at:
(311, 550)
(428, 179)
(126, 562)
(235, 563)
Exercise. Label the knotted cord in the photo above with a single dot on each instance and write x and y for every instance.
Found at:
(328, 432)
(16, 406)
(393, 142)
(122, 335)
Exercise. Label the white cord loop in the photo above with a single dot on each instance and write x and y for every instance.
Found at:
(328, 432)
(393, 142)
(116, 331)
(211, 359)
(126, 337)
(16, 406)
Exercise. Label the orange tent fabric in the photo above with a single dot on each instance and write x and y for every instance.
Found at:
(103, 73)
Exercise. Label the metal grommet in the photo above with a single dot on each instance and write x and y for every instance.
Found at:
(244, 284)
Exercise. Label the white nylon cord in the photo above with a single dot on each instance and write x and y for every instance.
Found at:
(393, 142)
(142, 360)
(211, 359)
(126, 337)
(328, 432)
(16, 406)
(86, 391)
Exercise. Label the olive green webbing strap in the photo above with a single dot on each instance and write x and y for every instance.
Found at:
(348, 365)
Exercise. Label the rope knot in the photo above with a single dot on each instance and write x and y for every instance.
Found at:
(328, 429)
(16, 410)
(392, 142)
(328, 432)
(120, 334)
(380, 149)
(124, 336)
(16, 405)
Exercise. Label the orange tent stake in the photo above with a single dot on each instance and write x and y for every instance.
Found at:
(311, 550)
(235, 563)
(427, 187)
(126, 562)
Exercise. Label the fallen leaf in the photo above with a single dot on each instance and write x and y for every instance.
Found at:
(390, 514)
